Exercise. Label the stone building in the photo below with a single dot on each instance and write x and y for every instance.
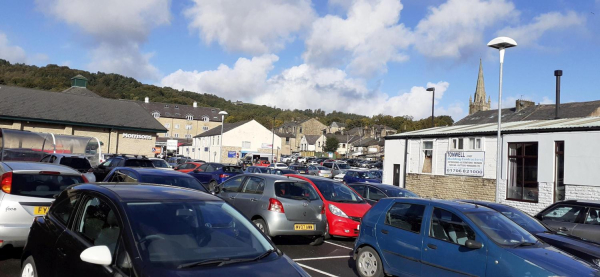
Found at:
(310, 126)
(479, 104)
(288, 140)
(335, 127)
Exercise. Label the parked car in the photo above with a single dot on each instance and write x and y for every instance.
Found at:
(318, 170)
(77, 162)
(360, 176)
(337, 168)
(279, 171)
(339, 177)
(302, 159)
(119, 161)
(153, 176)
(257, 169)
(278, 165)
(344, 207)
(327, 161)
(378, 173)
(264, 163)
(188, 167)
(580, 248)
(161, 164)
(26, 190)
(373, 192)
(301, 169)
(574, 217)
(425, 237)
(378, 165)
(212, 174)
(148, 230)
(278, 205)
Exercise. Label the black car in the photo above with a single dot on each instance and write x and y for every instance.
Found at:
(301, 169)
(120, 161)
(148, 230)
(154, 176)
(580, 248)
(372, 192)
(580, 218)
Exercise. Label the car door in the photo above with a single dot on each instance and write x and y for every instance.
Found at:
(590, 229)
(248, 200)
(563, 217)
(374, 194)
(230, 189)
(360, 189)
(97, 223)
(445, 253)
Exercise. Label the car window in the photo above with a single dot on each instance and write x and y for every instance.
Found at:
(130, 177)
(375, 194)
(45, 159)
(107, 163)
(81, 164)
(232, 169)
(99, 223)
(185, 181)
(254, 185)
(343, 166)
(405, 216)
(449, 227)
(117, 177)
(41, 185)
(328, 165)
(337, 192)
(233, 184)
(203, 167)
(563, 213)
(210, 168)
(592, 217)
(52, 159)
(123, 260)
(160, 163)
(359, 188)
(138, 163)
(63, 209)
(296, 190)
(116, 162)
(312, 167)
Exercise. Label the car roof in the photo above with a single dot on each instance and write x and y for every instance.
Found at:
(127, 192)
(581, 202)
(67, 155)
(447, 204)
(379, 185)
(153, 171)
(36, 166)
(313, 178)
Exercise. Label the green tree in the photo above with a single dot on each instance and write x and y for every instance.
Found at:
(331, 145)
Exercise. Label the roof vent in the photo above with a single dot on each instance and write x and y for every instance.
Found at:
(147, 99)
(195, 104)
(79, 81)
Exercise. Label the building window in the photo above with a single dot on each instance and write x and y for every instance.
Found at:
(176, 107)
(343, 145)
(166, 106)
(205, 118)
(300, 130)
(188, 127)
(168, 125)
(465, 144)
(176, 135)
(475, 143)
(156, 114)
(319, 144)
(176, 126)
(287, 141)
(522, 172)
(205, 128)
(167, 134)
(559, 191)
(189, 117)
(188, 136)
(427, 157)
(246, 145)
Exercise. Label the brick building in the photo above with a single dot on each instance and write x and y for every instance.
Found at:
(310, 126)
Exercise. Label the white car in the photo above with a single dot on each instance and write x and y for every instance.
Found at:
(161, 164)
(278, 166)
(77, 162)
(339, 177)
(302, 159)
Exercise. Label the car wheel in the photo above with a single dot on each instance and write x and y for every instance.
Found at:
(327, 235)
(29, 269)
(212, 186)
(262, 226)
(368, 263)
(317, 241)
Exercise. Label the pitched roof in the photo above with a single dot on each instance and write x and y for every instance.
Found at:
(80, 91)
(345, 138)
(312, 139)
(65, 108)
(369, 141)
(226, 128)
(537, 112)
(285, 135)
(337, 124)
(171, 110)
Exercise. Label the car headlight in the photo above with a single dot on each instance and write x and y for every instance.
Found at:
(336, 211)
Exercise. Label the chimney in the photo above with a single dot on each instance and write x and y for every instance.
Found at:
(557, 73)
(522, 104)
(147, 100)
(195, 104)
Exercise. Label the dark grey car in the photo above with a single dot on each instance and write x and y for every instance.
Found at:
(278, 205)
(579, 218)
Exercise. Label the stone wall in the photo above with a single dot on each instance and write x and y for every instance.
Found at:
(451, 187)
(582, 192)
(225, 151)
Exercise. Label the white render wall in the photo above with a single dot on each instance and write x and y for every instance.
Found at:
(394, 154)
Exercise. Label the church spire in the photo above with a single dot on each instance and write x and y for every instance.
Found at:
(480, 89)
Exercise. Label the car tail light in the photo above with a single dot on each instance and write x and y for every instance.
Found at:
(223, 176)
(6, 182)
(275, 205)
(85, 180)
(49, 173)
(323, 209)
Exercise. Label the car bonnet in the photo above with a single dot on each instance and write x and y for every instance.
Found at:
(554, 260)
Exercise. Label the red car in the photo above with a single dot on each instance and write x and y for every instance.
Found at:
(262, 163)
(188, 167)
(345, 208)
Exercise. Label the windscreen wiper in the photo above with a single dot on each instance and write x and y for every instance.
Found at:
(264, 255)
(525, 243)
(213, 262)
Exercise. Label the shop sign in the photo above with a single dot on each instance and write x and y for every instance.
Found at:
(231, 154)
(266, 145)
(137, 136)
(465, 163)
(172, 144)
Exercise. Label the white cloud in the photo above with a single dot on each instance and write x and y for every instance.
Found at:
(124, 59)
(456, 27)
(527, 35)
(546, 101)
(11, 53)
(366, 40)
(251, 26)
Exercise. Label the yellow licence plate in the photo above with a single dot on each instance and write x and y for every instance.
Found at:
(304, 227)
(40, 210)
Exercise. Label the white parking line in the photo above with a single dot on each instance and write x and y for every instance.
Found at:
(316, 270)
(339, 245)
(322, 258)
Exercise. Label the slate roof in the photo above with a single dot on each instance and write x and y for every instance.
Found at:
(170, 110)
(285, 135)
(65, 108)
(80, 91)
(345, 138)
(312, 139)
(226, 128)
(537, 112)
(337, 124)
(369, 141)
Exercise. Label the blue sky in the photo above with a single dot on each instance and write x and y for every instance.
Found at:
(361, 56)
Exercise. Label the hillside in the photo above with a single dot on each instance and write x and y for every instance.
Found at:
(58, 78)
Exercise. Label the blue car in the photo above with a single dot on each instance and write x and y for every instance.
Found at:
(425, 237)
(212, 174)
(361, 176)
(153, 176)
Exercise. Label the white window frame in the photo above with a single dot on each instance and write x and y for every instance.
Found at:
(188, 136)
(176, 135)
(422, 156)
(205, 128)
(188, 126)
(156, 114)
(466, 141)
(189, 117)
(176, 126)
(205, 118)
(167, 134)
(167, 125)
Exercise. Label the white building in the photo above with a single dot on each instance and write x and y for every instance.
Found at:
(238, 139)
(314, 143)
(542, 161)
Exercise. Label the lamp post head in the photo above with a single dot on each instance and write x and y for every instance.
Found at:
(502, 43)
(431, 89)
(223, 113)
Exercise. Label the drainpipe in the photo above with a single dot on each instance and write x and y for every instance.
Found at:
(557, 73)
(405, 159)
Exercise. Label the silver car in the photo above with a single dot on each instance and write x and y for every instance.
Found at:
(278, 205)
(321, 171)
(26, 190)
(337, 168)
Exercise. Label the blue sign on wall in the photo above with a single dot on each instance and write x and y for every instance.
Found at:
(230, 154)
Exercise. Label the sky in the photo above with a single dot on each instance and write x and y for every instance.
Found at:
(360, 56)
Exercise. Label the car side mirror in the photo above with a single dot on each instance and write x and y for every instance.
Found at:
(472, 244)
(99, 255)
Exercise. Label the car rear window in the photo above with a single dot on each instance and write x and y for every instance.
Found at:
(138, 163)
(300, 168)
(177, 181)
(41, 185)
(232, 169)
(160, 163)
(81, 164)
(295, 190)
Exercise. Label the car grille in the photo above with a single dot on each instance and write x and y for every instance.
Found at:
(355, 218)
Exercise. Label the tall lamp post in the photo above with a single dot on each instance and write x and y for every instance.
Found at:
(500, 43)
(273, 140)
(432, 89)
(223, 114)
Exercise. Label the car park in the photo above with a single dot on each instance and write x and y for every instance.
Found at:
(425, 237)
(161, 164)
(278, 165)
(212, 174)
(257, 169)
(337, 168)
(120, 161)
(280, 171)
(301, 169)
(77, 162)
(373, 192)
(360, 176)
(583, 249)
(278, 205)
(318, 170)
(148, 230)
(579, 218)
(188, 167)
(153, 176)
(26, 190)
(344, 208)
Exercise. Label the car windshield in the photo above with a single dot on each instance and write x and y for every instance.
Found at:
(322, 168)
(172, 234)
(160, 163)
(337, 192)
(81, 164)
(232, 169)
(343, 166)
(295, 190)
(377, 174)
(300, 168)
(366, 175)
(500, 229)
(262, 169)
(177, 181)
(283, 171)
(138, 163)
(400, 193)
(524, 220)
(41, 185)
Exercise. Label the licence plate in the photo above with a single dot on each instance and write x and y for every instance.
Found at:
(40, 210)
(304, 227)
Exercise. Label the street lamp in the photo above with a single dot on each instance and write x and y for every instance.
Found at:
(432, 89)
(273, 139)
(223, 114)
(500, 43)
